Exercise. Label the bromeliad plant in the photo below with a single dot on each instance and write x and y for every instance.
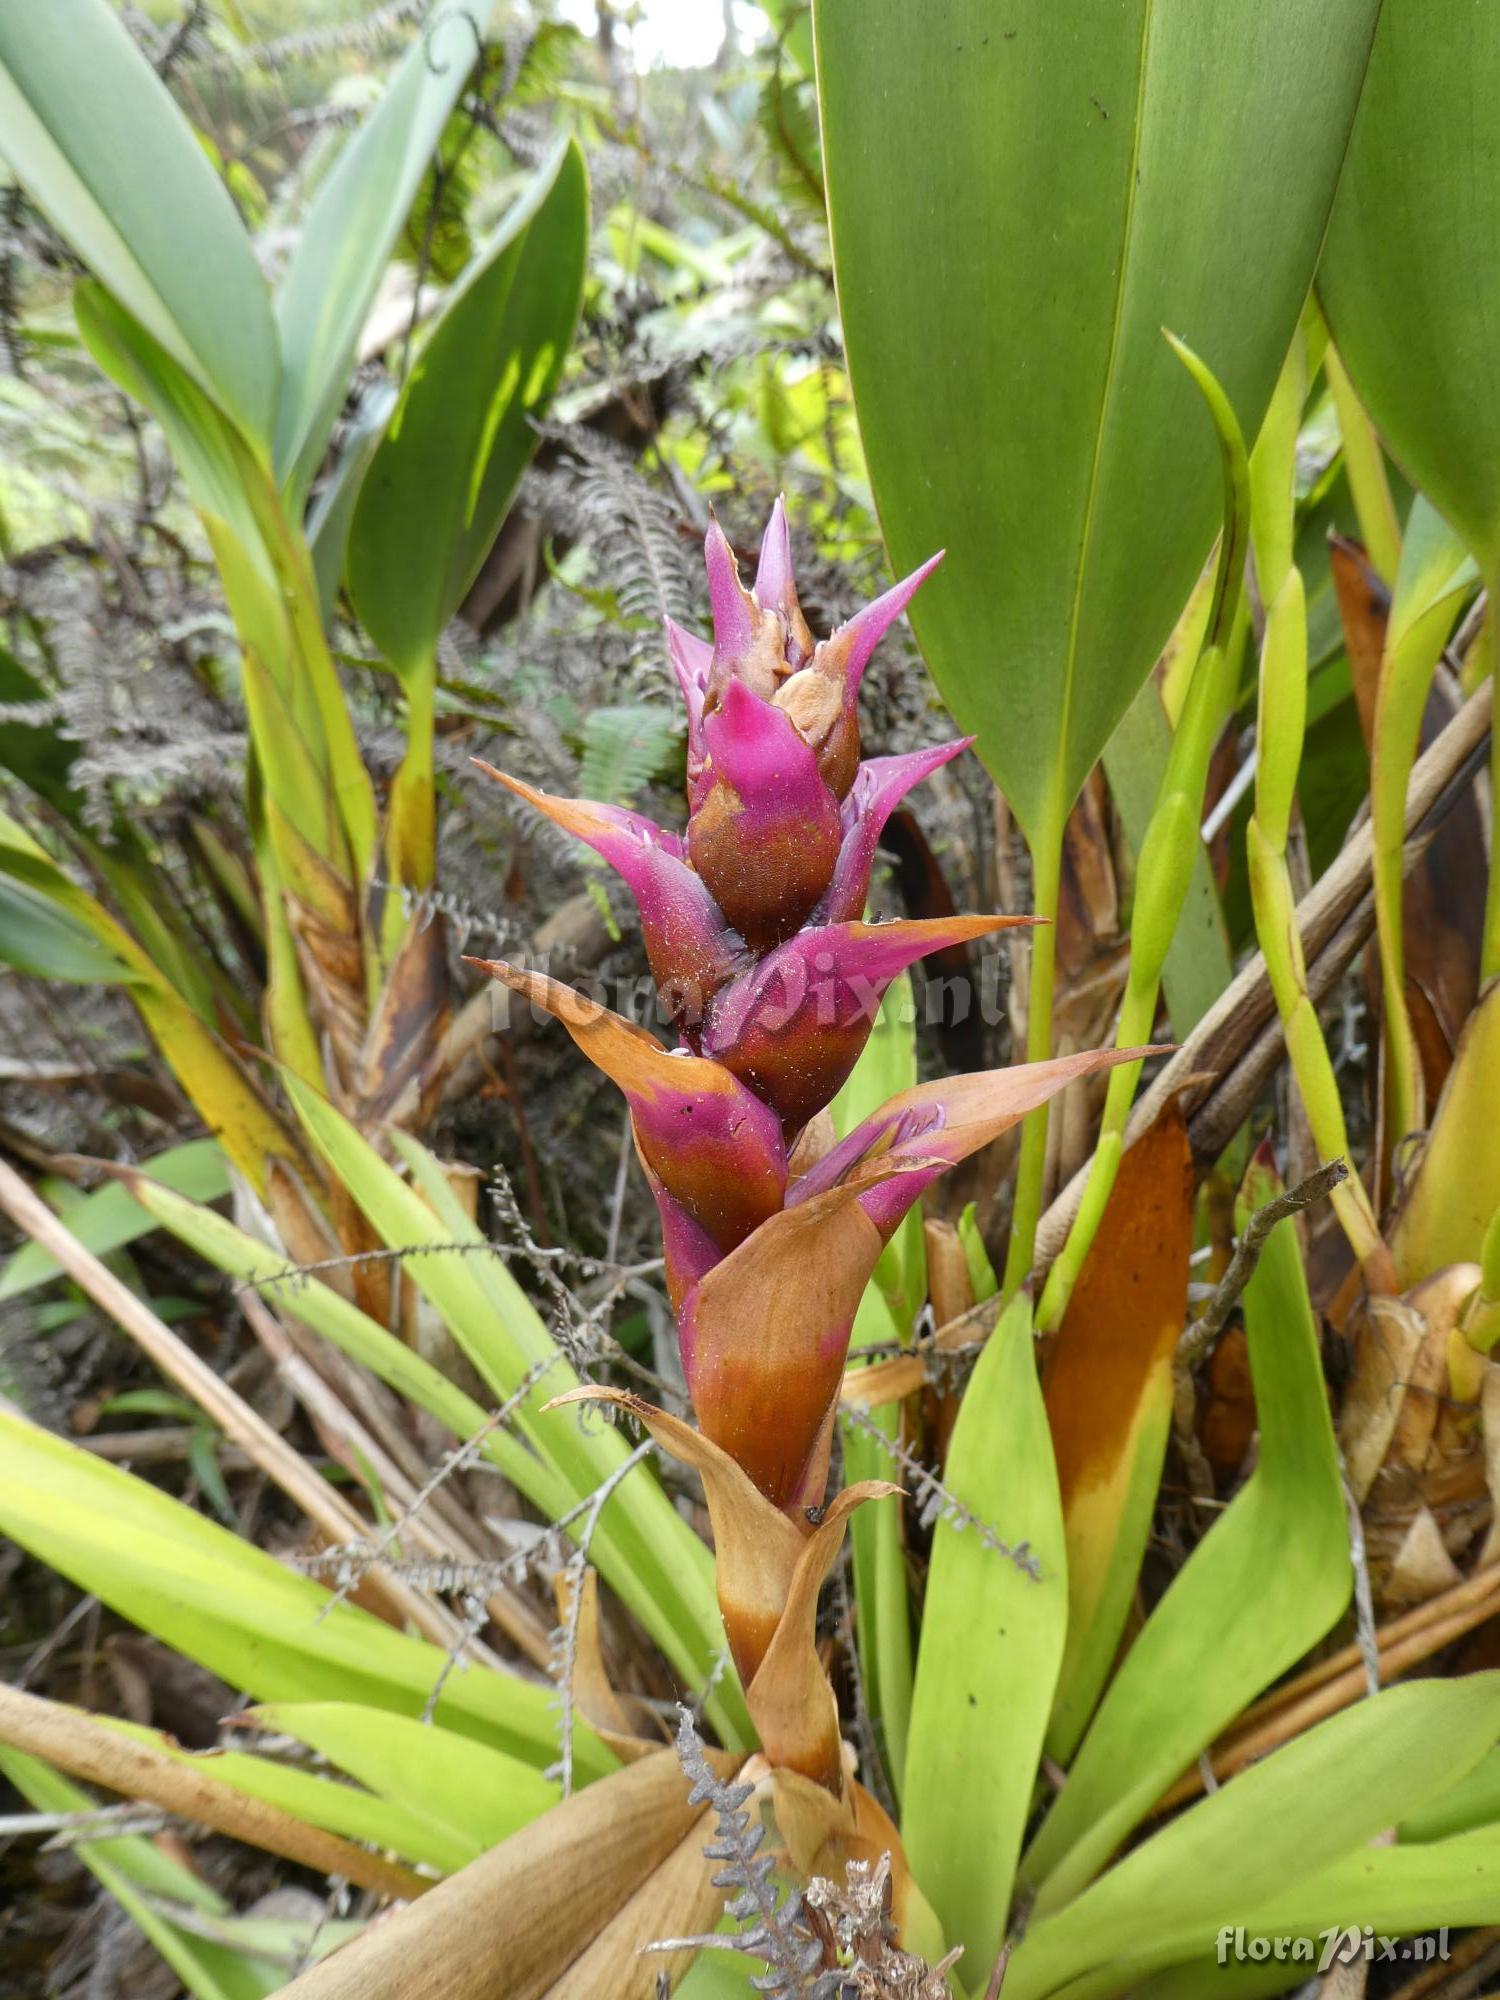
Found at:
(771, 979)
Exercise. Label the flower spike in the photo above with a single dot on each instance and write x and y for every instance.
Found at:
(752, 921)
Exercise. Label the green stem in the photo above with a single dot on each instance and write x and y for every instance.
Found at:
(1489, 957)
(1046, 862)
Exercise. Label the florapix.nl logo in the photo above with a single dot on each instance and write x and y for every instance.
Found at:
(1348, 1944)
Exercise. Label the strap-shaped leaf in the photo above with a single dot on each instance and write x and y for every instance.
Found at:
(1260, 1847)
(348, 235)
(1261, 1588)
(992, 1643)
(452, 456)
(1415, 315)
(1020, 199)
(110, 1218)
(142, 1878)
(95, 138)
(238, 1611)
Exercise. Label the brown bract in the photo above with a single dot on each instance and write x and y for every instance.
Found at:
(770, 1571)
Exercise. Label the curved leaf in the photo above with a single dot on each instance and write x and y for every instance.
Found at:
(1266, 1583)
(349, 232)
(239, 1612)
(1323, 1798)
(1415, 315)
(446, 470)
(94, 136)
(1058, 184)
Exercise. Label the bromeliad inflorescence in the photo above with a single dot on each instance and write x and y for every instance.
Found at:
(753, 924)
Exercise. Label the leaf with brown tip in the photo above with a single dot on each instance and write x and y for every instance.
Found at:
(1107, 1386)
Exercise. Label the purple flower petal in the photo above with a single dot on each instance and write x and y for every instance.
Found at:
(849, 648)
(898, 1152)
(767, 834)
(879, 787)
(709, 1143)
(793, 1026)
(692, 949)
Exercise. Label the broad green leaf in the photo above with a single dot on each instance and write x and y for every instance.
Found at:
(295, 705)
(1020, 199)
(248, 1130)
(1472, 1805)
(94, 136)
(238, 1612)
(991, 1645)
(36, 752)
(141, 1876)
(1253, 1851)
(1416, 322)
(349, 232)
(478, 1794)
(446, 470)
(329, 516)
(110, 1218)
(1395, 1891)
(1262, 1587)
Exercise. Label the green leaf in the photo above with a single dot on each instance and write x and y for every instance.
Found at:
(36, 752)
(1252, 1853)
(94, 136)
(1415, 319)
(402, 1826)
(1472, 1804)
(991, 1646)
(140, 1875)
(348, 234)
(111, 1217)
(1453, 1190)
(478, 1794)
(239, 1612)
(443, 476)
(886, 1067)
(1261, 1588)
(877, 1549)
(642, 1546)
(1020, 199)
(331, 513)
(45, 942)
